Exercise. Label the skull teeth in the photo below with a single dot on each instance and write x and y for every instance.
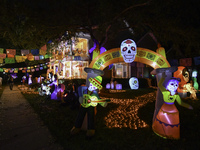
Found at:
(129, 56)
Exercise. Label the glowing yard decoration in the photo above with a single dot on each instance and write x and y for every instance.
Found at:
(189, 87)
(128, 50)
(29, 79)
(166, 123)
(88, 99)
(118, 87)
(144, 56)
(23, 79)
(39, 80)
(54, 85)
(126, 114)
(183, 74)
(134, 83)
(194, 78)
(44, 90)
(108, 86)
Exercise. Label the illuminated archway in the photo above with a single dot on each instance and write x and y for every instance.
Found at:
(146, 56)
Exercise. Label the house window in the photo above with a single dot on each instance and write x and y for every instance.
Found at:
(120, 70)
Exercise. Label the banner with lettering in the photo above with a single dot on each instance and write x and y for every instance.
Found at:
(24, 58)
(185, 62)
(10, 55)
(1, 50)
(1, 60)
(2, 55)
(35, 51)
(24, 52)
(48, 56)
(41, 57)
(37, 57)
(18, 58)
(197, 60)
(11, 51)
(16, 70)
(9, 60)
(173, 62)
(30, 57)
(44, 47)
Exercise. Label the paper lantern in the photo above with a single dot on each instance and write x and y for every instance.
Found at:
(134, 83)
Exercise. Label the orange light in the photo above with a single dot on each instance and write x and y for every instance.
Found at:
(126, 115)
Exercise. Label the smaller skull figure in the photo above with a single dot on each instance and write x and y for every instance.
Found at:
(134, 83)
(128, 50)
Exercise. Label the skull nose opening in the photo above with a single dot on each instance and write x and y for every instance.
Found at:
(129, 51)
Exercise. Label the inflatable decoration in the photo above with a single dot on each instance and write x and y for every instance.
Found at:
(108, 86)
(128, 50)
(89, 99)
(29, 79)
(118, 87)
(23, 79)
(44, 90)
(190, 88)
(166, 123)
(194, 79)
(183, 74)
(134, 83)
(39, 80)
(54, 87)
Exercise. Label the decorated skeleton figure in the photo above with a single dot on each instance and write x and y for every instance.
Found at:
(128, 50)
(133, 82)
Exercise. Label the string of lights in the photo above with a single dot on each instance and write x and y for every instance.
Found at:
(126, 115)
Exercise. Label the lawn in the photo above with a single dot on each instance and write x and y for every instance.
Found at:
(60, 119)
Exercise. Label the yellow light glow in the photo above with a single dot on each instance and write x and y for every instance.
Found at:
(154, 64)
(126, 114)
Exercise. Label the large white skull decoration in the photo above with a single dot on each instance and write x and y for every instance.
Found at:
(128, 50)
(134, 83)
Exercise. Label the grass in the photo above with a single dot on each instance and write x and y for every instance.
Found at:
(60, 119)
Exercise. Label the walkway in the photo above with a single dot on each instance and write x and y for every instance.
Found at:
(20, 127)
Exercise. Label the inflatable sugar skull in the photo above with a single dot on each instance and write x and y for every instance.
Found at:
(134, 83)
(128, 50)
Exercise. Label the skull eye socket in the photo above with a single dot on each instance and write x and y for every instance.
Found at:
(133, 48)
(124, 49)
